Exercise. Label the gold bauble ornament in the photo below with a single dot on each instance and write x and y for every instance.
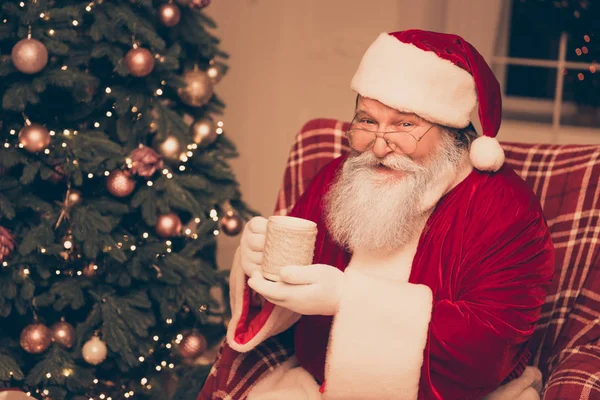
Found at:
(215, 72)
(34, 137)
(203, 132)
(231, 224)
(94, 351)
(119, 183)
(36, 338)
(74, 198)
(29, 56)
(170, 148)
(139, 62)
(63, 333)
(169, 15)
(198, 88)
(168, 225)
(193, 344)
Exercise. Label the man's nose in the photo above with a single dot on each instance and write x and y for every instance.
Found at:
(380, 148)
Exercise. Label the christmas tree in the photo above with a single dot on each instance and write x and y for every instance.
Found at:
(114, 182)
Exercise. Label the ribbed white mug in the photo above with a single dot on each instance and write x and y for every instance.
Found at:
(289, 241)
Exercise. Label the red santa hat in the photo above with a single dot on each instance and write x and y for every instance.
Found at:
(439, 77)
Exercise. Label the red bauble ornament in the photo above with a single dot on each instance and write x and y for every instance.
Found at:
(36, 338)
(169, 15)
(193, 344)
(231, 224)
(119, 183)
(34, 137)
(168, 225)
(29, 56)
(139, 61)
(63, 333)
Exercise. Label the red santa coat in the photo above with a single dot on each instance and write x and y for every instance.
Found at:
(457, 329)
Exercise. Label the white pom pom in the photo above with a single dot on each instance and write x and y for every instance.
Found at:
(486, 154)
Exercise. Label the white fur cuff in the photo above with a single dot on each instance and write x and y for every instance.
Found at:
(377, 339)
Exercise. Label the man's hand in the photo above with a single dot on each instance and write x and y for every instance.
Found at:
(308, 290)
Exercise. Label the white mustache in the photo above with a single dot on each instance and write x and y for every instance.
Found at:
(397, 162)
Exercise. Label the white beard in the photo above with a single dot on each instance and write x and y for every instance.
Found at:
(374, 211)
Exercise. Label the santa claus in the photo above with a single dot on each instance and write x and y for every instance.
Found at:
(432, 258)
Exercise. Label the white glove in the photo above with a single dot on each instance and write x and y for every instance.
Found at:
(252, 245)
(308, 289)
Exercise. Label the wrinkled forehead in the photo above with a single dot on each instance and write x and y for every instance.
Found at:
(373, 108)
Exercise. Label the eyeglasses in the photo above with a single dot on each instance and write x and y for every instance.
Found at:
(361, 139)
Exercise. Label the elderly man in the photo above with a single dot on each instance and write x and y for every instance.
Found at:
(432, 257)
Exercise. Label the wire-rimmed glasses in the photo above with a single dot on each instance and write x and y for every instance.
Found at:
(362, 139)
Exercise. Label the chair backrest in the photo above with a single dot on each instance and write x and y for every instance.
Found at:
(566, 178)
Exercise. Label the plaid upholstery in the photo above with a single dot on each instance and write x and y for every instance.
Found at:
(566, 345)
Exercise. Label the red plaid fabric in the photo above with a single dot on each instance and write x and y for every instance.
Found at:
(566, 345)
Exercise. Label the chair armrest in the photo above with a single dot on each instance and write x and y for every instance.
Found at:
(233, 374)
(577, 376)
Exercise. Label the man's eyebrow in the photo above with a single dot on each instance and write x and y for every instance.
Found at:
(361, 111)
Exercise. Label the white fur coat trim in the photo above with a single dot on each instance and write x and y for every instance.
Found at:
(377, 339)
(409, 79)
(278, 321)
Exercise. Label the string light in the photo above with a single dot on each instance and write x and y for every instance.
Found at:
(182, 168)
(25, 271)
(158, 368)
(220, 124)
(155, 338)
(48, 375)
(163, 363)
(141, 358)
(75, 22)
(106, 173)
(47, 151)
(144, 381)
(145, 235)
(42, 250)
(51, 32)
(169, 321)
(149, 183)
(133, 247)
(57, 272)
(169, 175)
(159, 92)
(109, 114)
(189, 153)
(216, 232)
(64, 145)
(95, 381)
(219, 131)
(171, 365)
(46, 392)
(13, 132)
(79, 273)
(6, 145)
(168, 345)
(90, 175)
